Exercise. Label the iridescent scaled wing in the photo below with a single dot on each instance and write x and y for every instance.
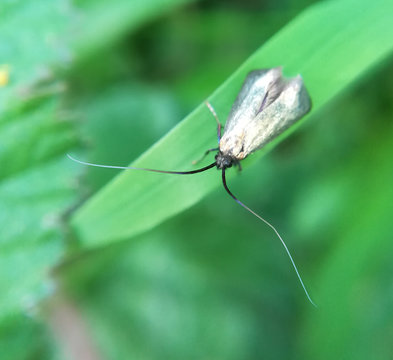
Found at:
(266, 105)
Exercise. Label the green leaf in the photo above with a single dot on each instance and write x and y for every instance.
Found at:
(110, 140)
(214, 261)
(36, 181)
(36, 185)
(27, 53)
(187, 294)
(332, 45)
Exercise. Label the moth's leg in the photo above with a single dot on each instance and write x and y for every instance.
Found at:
(204, 155)
(210, 107)
(238, 165)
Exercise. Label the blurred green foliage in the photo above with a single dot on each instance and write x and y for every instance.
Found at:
(106, 80)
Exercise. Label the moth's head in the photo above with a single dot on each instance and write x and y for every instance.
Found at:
(224, 161)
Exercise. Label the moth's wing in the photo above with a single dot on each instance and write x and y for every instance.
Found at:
(253, 93)
(244, 92)
(266, 105)
(291, 104)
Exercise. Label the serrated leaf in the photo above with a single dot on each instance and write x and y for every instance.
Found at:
(32, 38)
(36, 181)
(36, 186)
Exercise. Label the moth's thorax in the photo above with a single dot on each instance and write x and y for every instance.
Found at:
(232, 145)
(224, 161)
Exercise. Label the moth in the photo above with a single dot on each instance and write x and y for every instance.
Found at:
(265, 107)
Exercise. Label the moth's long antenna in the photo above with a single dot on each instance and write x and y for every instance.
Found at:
(274, 229)
(143, 169)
